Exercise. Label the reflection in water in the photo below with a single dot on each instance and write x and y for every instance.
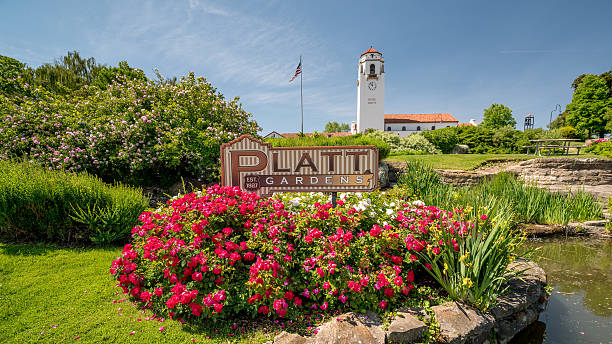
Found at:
(580, 307)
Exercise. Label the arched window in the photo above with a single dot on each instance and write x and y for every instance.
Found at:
(388, 128)
(418, 128)
(372, 69)
(404, 128)
(433, 127)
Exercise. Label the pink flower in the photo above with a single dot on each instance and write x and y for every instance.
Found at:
(383, 304)
(161, 329)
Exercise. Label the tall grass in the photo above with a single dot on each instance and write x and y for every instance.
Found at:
(55, 206)
(518, 201)
(320, 140)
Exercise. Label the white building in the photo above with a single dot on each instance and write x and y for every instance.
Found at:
(371, 102)
(406, 124)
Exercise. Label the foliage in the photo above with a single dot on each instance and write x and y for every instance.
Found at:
(601, 147)
(334, 127)
(43, 205)
(517, 202)
(320, 140)
(569, 132)
(215, 254)
(498, 116)
(464, 162)
(590, 104)
(134, 131)
(11, 71)
(412, 144)
(444, 139)
(471, 263)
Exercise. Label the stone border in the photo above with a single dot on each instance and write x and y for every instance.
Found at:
(459, 323)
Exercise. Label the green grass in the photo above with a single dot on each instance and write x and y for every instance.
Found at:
(42, 286)
(469, 162)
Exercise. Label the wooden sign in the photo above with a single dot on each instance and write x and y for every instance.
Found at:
(258, 167)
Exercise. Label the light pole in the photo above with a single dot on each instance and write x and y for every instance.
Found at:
(558, 106)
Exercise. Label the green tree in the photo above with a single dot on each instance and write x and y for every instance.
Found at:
(335, 127)
(497, 116)
(591, 103)
(68, 74)
(13, 75)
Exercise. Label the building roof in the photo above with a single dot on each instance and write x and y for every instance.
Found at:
(272, 133)
(371, 50)
(322, 134)
(420, 118)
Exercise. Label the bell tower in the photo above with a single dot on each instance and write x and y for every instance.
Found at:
(371, 91)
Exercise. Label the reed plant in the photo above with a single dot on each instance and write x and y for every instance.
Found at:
(472, 264)
(521, 202)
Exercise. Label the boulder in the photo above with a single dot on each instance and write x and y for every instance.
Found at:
(383, 175)
(460, 149)
(349, 329)
(288, 338)
(460, 323)
(405, 328)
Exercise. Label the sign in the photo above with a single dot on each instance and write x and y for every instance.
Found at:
(256, 166)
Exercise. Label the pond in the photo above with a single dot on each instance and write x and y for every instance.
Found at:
(580, 307)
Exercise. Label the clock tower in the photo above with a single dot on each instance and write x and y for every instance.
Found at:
(371, 91)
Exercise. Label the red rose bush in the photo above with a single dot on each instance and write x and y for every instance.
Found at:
(222, 252)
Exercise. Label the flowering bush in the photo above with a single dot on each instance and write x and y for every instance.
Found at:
(221, 252)
(601, 146)
(135, 131)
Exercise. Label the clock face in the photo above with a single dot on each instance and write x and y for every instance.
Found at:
(372, 85)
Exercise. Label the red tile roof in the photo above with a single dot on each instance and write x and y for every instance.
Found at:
(310, 134)
(371, 50)
(420, 118)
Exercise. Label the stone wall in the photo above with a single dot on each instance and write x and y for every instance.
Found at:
(459, 323)
(568, 171)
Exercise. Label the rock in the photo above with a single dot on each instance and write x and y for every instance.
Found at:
(460, 323)
(405, 328)
(288, 338)
(383, 175)
(348, 329)
(460, 149)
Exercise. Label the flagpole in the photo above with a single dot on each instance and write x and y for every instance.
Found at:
(301, 98)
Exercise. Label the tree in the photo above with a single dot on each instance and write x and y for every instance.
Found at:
(68, 74)
(497, 116)
(591, 103)
(334, 127)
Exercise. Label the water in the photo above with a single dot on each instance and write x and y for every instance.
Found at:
(580, 306)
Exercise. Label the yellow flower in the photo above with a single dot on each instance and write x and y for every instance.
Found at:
(445, 268)
(467, 281)
(462, 258)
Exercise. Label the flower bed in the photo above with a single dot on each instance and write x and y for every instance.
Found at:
(221, 253)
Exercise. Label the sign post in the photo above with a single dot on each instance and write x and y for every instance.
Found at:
(256, 166)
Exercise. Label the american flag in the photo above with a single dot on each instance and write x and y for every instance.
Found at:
(297, 71)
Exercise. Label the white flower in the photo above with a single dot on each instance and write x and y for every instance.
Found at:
(389, 211)
(418, 203)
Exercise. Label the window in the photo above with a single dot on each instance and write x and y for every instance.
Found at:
(404, 128)
(418, 128)
(433, 127)
(388, 128)
(372, 69)
(361, 70)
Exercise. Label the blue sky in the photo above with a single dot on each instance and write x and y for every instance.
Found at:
(440, 56)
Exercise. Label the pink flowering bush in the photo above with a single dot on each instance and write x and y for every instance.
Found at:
(601, 146)
(134, 131)
(222, 252)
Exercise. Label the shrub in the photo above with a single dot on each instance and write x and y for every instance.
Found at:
(412, 144)
(443, 139)
(569, 132)
(134, 131)
(43, 205)
(320, 140)
(221, 253)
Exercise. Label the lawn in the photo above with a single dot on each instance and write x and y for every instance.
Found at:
(469, 162)
(54, 295)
